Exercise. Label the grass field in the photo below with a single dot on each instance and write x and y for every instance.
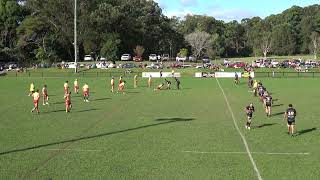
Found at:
(172, 134)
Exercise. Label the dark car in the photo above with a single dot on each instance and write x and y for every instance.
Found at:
(192, 58)
(129, 65)
(206, 59)
(137, 58)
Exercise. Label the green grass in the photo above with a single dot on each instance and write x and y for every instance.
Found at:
(142, 134)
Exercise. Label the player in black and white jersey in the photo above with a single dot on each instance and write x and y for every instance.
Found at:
(290, 115)
(268, 104)
(249, 112)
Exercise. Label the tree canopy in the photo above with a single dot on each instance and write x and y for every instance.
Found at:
(42, 30)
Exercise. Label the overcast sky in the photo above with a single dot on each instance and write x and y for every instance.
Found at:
(229, 9)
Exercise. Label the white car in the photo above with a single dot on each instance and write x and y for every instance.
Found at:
(102, 65)
(152, 57)
(103, 59)
(88, 58)
(126, 57)
(111, 65)
(71, 65)
(179, 59)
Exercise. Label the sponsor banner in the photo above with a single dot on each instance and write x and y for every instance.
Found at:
(224, 74)
(158, 75)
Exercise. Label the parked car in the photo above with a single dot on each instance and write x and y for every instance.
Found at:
(88, 58)
(181, 59)
(129, 65)
(165, 57)
(71, 65)
(152, 57)
(206, 59)
(192, 58)
(102, 65)
(126, 57)
(154, 66)
(112, 65)
(238, 65)
(103, 58)
(137, 58)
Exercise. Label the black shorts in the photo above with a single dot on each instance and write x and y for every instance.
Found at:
(291, 123)
(268, 104)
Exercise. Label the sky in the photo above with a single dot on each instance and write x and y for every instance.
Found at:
(229, 10)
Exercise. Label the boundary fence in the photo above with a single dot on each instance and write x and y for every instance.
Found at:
(131, 74)
(71, 74)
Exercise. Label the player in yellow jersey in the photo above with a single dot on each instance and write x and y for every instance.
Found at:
(36, 98)
(150, 81)
(67, 100)
(255, 87)
(112, 84)
(135, 81)
(45, 96)
(31, 89)
(76, 86)
(121, 87)
(66, 87)
(159, 87)
(85, 90)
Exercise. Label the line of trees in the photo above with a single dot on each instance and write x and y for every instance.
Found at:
(33, 31)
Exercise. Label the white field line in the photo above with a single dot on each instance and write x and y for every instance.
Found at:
(263, 153)
(77, 150)
(242, 136)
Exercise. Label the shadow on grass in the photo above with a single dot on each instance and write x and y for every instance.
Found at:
(299, 133)
(277, 105)
(55, 111)
(101, 99)
(87, 110)
(274, 100)
(265, 125)
(133, 92)
(166, 121)
(58, 102)
(277, 114)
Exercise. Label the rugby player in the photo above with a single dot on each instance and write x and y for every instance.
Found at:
(135, 81)
(168, 84)
(66, 87)
(85, 90)
(249, 112)
(36, 98)
(121, 87)
(290, 115)
(76, 86)
(150, 81)
(31, 89)
(178, 82)
(67, 100)
(45, 96)
(159, 87)
(268, 104)
(112, 84)
(236, 79)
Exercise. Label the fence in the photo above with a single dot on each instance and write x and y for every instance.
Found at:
(131, 74)
(287, 74)
(71, 74)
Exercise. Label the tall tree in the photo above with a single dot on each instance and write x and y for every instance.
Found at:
(199, 41)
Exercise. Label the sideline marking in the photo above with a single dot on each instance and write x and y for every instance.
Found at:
(242, 137)
(231, 152)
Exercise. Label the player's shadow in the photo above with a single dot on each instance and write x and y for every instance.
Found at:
(87, 110)
(55, 111)
(265, 125)
(133, 92)
(101, 99)
(277, 105)
(299, 133)
(62, 102)
(165, 121)
(277, 114)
